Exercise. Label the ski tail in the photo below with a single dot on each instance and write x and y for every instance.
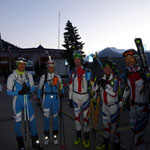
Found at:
(140, 48)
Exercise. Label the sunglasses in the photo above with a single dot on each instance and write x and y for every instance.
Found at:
(125, 54)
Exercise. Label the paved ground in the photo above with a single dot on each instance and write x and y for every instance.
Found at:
(7, 135)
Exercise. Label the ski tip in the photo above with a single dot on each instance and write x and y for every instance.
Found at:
(63, 147)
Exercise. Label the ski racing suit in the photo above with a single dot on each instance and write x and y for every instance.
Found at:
(20, 102)
(79, 94)
(138, 93)
(50, 86)
(110, 107)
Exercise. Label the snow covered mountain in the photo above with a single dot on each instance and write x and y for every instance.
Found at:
(111, 52)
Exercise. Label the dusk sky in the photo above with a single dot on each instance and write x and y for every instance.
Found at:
(100, 23)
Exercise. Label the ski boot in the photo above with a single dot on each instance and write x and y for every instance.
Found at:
(46, 138)
(86, 141)
(105, 146)
(20, 143)
(55, 136)
(78, 137)
(116, 144)
(36, 143)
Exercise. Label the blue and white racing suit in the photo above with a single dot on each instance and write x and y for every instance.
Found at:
(50, 99)
(21, 102)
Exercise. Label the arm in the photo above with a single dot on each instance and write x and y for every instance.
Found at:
(70, 85)
(31, 82)
(61, 88)
(113, 91)
(10, 84)
(147, 75)
(40, 86)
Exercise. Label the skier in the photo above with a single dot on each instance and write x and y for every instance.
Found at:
(79, 97)
(19, 84)
(51, 89)
(138, 92)
(110, 105)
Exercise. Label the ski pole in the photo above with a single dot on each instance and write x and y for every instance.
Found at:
(62, 119)
(96, 119)
(28, 121)
(39, 106)
(25, 127)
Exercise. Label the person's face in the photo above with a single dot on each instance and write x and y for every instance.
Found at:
(21, 66)
(107, 70)
(77, 62)
(51, 69)
(130, 61)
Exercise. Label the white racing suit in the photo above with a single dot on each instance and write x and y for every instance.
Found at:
(79, 93)
(138, 92)
(110, 107)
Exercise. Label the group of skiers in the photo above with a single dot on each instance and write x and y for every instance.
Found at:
(20, 85)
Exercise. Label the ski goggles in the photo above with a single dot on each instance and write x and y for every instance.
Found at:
(51, 65)
(130, 52)
(21, 61)
(77, 54)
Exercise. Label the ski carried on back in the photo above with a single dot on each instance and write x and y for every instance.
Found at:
(140, 48)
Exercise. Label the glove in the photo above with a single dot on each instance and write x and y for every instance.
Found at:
(102, 83)
(122, 104)
(61, 95)
(25, 90)
(70, 103)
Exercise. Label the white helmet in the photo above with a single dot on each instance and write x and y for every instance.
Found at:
(51, 63)
(21, 59)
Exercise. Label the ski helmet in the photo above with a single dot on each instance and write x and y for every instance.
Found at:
(22, 59)
(51, 63)
(77, 54)
(131, 52)
(107, 62)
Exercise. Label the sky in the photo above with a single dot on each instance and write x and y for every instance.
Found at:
(100, 23)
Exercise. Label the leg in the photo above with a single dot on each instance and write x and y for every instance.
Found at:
(85, 110)
(30, 114)
(55, 111)
(138, 121)
(76, 105)
(46, 107)
(106, 122)
(115, 112)
(17, 108)
(33, 128)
